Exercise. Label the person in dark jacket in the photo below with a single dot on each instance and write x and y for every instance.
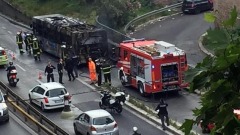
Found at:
(69, 67)
(9, 69)
(49, 70)
(163, 113)
(75, 65)
(60, 70)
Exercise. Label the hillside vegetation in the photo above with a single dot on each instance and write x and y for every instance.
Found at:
(86, 10)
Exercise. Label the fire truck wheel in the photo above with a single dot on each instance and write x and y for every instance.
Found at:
(141, 89)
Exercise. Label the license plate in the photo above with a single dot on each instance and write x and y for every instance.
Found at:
(58, 101)
(107, 134)
(185, 10)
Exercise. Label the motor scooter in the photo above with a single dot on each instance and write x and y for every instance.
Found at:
(13, 80)
(112, 102)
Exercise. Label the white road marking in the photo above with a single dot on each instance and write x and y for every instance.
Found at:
(20, 67)
(148, 121)
(9, 32)
(80, 80)
(4, 28)
(40, 82)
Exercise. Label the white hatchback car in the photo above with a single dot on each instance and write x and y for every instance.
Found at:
(95, 122)
(48, 95)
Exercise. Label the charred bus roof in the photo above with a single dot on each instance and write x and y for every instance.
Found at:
(64, 21)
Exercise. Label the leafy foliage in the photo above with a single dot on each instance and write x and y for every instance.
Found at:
(219, 75)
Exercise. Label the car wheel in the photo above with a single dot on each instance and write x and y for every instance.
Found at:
(197, 11)
(141, 89)
(42, 107)
(7, 120)
(30, 99)
(75, 130)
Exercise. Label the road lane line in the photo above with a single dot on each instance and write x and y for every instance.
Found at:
(9, 32)
(22, 124)
(20, 67)
(85, 83)
(4, 28)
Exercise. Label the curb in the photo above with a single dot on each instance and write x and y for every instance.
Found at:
(15, 22)
(202, 48)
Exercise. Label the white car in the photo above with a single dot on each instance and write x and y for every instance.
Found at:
(95, 122)
(48, 95)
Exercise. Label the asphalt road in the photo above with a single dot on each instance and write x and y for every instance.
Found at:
(12, 128)
(181, 30)
(28, 71)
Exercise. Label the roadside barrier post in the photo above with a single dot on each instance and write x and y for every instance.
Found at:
(67, 112)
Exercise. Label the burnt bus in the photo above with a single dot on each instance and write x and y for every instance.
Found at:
(63, 36)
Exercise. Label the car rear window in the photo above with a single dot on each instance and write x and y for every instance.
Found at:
(102, 120)
(57, 92)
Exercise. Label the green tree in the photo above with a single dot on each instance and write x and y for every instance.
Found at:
(220, 77)
(115, 13)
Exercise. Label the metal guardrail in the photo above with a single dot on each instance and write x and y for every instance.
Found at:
(42, 122)
(151, 13)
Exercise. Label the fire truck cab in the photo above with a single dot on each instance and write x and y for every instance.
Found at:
(151, 66)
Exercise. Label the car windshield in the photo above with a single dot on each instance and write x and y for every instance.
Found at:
(102, 120)
(1, 97)
(57, 92)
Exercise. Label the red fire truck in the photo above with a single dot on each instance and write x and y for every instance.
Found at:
(151, 66)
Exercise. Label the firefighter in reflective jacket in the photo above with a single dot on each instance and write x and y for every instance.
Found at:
(19, 41)
(36, 49)
(106, 70)
(29, 42)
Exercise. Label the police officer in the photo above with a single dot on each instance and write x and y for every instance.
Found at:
(49, 70)
(106, 69)
(69, 68)
(75, 65)
(163, 113)
(36, 49)
(60, 70)
(19, 41)
(98, 70)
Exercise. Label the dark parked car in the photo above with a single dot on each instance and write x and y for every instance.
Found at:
(196, 6)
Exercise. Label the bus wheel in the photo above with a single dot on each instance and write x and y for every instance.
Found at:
(141, 89)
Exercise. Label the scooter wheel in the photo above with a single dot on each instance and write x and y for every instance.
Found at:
(118, 109)
(101, 106)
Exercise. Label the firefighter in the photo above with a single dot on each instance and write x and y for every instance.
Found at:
(29, 43)
(99, 72)
(92, 71)
(36, 50)
(19, 41)
(163, 113)
(106, 69)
